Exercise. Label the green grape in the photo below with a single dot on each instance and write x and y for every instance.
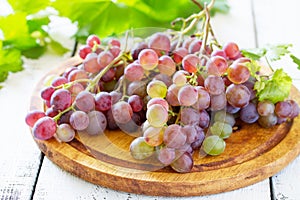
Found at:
(139, 149)
(213, 145)
(157, 115)
(157, 88)
(223, 116)
(221, 129)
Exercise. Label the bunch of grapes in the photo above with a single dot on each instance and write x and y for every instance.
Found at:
(176, 94)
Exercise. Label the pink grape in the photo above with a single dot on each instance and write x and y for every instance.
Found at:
(238, 95)
(97, 123)
(166, 65)
(179, 78)
(85, 101)
(218, 102)
(195, 46)
(148, 59)
(265, 108)
(90, 63)
(214, 84)
(115, 51)
(174, 137)
(231, 50)
(114, 42)
(160, 101)
(179, 54)
(160, 43)
(295, 109)
(84, 51)
(44, 128)
(103, 101)
(134, 72)
(238, 73)
(47, 92)
(136, 103)
(219, 53)
(33, 116)
(203, 100)
(104, 59)
(58, 81)
(122, 112)
(166, 155)
(190, 63)
(153, 135)
(187, 95)
(93, 40)
(109, 75)
(172, 95)
(79, 120)
(51, 112)
(77, 74)
(65, 133)
(61, 99)
(216, 65)
(183, 164)
(283, 109)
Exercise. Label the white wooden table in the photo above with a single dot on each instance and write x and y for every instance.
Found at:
(26, 174)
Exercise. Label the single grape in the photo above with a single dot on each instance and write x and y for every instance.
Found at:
(187, 95)
(179, 78)
(216, 65)
(33, 116)
(157, 115)
(164, 78)
(77, 74)
(172, 95)
(51, 112)
(114, 42)
(190, 132)
(265, 108)
(223, 116)
(109, 75)
(190, 63)
(174, 137)
(122, 112)
(44, 128)
(104, 58)
(47, 92)
(85, 101)
(68, 71)
(187, 41)
(232, 110)
(148, 59)
(238, 95)
(134, 72)
(231, 50)
(214, 85)
(250, 85)
(204, 119)
(166, 65)
(140, 150)
(103, 101)
(166, 155)
(93, 40)
(65, 133)
(218, 102)
(153, 135)
(221, 129)
(203, 101)
(65, 118)
(157, 88)
(249, 113)
(195, 46)
(115, 96)
(238, 73)
(136, 103)
(219, 52)
(61, 99)
(138, 88)
(213, 145)
(58, 81)
(97, 123)
(295, 109)
(159, 101)
(84, 51)
(267, 121)
(283, 109)
(79, 120)
(115, 51)
(90, 63)
(199, 140)
(190, 116)
(179, 54)
(160, 43)
(111, 123)
(183, 164)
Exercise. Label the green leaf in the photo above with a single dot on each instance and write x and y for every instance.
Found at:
(57, 47)
(274, 52)
(296, 60)
(10, 60)
(253, 67)
(28, 6)
(254, 54)
(3, 76)
(34, 52)
(276, 89)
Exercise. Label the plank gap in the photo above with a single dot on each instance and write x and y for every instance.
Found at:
(272, 190)
(74, 48)
(254, 23)
(37, 175)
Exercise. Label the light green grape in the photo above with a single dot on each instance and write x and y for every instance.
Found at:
(213, 145)
(221, 129)
(157, 88)
(157, 115)
(140, 150)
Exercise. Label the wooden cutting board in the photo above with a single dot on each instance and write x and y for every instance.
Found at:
(252, 154)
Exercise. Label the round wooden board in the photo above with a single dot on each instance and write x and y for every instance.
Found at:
(252, 154)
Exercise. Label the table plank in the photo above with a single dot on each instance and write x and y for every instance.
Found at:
(276, 24)
(20, 158)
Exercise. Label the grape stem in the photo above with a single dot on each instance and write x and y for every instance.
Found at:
(206, 29)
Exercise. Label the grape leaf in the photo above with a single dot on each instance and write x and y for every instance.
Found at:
(274, 52)
(254, 54)
(296, 60)
(253, 67)
(275, 89)
(28, 6)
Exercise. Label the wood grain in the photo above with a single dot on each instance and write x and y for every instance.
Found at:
(252, 154)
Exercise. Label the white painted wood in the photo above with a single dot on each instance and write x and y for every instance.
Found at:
(54, 183)
(277, 23)
(19, 157)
